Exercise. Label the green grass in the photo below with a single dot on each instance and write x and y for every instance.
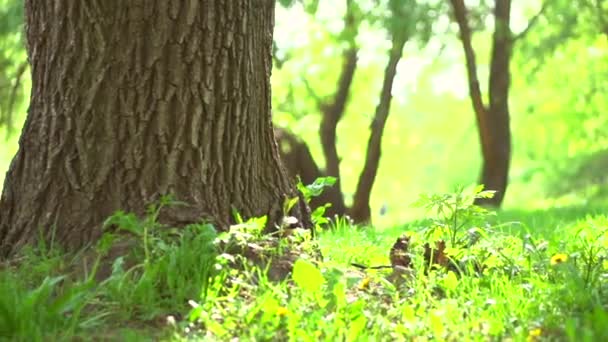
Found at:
(173, 286)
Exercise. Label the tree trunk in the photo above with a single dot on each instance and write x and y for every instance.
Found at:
(333, 112)
(135, 99)
(497, 154)
(492, 120)
(361, 211)
(329, 122)
(298, 160)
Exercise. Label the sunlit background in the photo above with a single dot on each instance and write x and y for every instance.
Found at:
(430, 142)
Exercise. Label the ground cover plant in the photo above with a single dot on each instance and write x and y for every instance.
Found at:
(522, 276)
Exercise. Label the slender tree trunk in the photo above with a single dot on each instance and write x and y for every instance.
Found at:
(498, 152)
(6, 118)
(134, 99)
(492, 120)
(361, 211)
(333, 112)
(299, 161)
(329, 122)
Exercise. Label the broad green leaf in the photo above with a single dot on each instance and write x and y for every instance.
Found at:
(307, 276)
(356, 328)
(450, 282)
(316, 188)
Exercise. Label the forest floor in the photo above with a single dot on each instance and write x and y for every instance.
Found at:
(518, 275)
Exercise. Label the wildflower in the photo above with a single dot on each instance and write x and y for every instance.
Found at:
(364, 284)
(558, 259)
(534, 334)
(281, 311)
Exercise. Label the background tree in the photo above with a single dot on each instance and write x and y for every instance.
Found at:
(331, 108)
(493, 119)
(400, 20)
(13, 63)
(131, 101)
(401, 27)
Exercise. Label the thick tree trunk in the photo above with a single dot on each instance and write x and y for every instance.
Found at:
(492, 120)
(360, 212)
(134, 99)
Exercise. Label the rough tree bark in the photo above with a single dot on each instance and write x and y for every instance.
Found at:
(360, 212)
(492, 119)
(134, 99)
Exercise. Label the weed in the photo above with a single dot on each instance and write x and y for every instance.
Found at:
(177, 265)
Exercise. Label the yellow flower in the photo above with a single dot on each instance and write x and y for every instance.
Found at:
(534, 334)
(281, 311)
(558, 259)
(364, 284)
